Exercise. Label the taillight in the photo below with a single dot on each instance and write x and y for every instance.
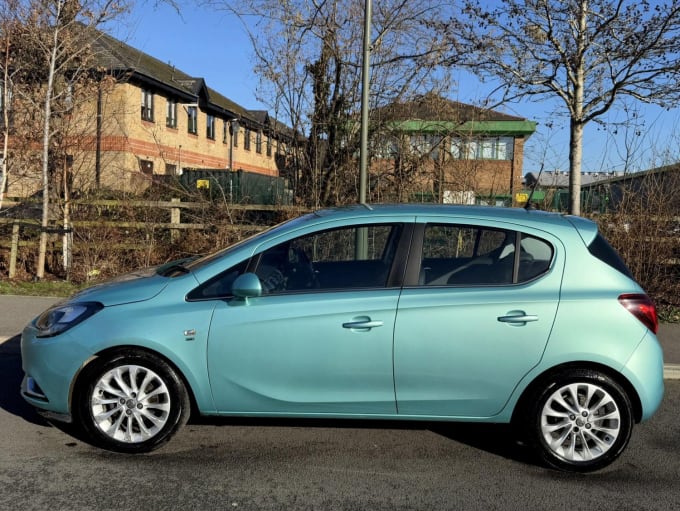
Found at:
(643, 308)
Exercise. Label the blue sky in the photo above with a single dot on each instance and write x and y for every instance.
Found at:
(213, 45)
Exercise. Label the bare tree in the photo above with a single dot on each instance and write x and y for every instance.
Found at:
(308, 57)
(10, 67)
(587, 54)
(59, 34)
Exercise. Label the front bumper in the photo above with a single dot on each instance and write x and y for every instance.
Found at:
(50, 366)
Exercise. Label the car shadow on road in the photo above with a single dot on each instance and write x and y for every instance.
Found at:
(496, 439)
(10, 383)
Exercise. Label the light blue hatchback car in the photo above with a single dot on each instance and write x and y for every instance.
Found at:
(376, 312)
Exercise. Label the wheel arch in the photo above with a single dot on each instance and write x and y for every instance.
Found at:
(122, 350)
(523, 401)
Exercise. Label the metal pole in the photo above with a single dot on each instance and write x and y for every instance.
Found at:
(366, 80)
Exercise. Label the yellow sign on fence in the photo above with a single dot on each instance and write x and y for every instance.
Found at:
(202, 183)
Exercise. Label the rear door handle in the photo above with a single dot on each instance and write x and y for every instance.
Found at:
(517, 318)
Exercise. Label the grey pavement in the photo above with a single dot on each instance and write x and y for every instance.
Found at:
(17, 311)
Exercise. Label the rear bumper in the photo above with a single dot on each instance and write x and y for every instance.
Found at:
(644, 370)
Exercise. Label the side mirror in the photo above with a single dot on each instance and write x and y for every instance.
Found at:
(247, 286)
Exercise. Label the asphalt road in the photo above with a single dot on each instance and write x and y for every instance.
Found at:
(325, 465)
(251, 464)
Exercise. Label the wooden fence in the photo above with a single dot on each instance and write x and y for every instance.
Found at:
(174, 224)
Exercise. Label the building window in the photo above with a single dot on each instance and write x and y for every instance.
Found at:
(146, 167)
(171, 114)
(235, 138)
(246, 139)
(483, 148)
(170, 169)
(210, 127)
(225, 131)
(258, 141)
(269, 145)
(147, 105)
(425, 145)
(192, 120)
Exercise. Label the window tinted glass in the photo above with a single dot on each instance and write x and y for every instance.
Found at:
(534, 258)
(220, 285)
(465, 255)
(352, 257)
(469, 256)
(601, 249)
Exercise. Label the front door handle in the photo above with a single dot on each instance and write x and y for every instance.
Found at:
(362, 324)
(517, 318)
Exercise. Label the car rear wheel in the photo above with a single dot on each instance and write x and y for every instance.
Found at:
(580, 421)
(131, 402)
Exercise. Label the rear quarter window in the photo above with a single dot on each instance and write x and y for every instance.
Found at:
(601, 249)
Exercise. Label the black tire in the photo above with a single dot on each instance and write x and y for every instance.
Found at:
(579, 420)
(130, 402)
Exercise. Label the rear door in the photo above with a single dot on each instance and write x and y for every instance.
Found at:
(474, 317)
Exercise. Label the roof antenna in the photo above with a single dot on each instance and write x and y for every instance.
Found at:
(528, 205)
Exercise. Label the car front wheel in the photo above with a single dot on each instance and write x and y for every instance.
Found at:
(580, 421)
(131, 402)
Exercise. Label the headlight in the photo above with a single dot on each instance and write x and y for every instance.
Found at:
(62, 317)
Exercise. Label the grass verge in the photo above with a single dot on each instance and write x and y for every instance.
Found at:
(43, 288)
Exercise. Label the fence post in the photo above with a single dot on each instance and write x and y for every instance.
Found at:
(14, 251)
(175, 218)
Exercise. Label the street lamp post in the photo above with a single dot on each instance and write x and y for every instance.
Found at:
(365, 86)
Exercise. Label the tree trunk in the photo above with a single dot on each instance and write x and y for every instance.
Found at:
(5, 119)
(40, 272)
(575, 159)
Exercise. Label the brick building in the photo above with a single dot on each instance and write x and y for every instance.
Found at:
(145, 118)
(451, 152)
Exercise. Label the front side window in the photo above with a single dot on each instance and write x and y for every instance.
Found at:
(192, 120)
(357, 257)
(171, 114)
(147, 105)
(220, 285)
(258, 141)
(461, 255)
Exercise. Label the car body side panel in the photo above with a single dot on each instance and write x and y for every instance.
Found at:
(158, 325)
(644, 370)
(454, 358)
(291, 353)
(452, 355)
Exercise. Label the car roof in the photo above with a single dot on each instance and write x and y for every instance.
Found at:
(522, 216)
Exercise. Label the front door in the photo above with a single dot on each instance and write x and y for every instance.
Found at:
(319, 339)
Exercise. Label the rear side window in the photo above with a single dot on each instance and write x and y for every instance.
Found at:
(601, 249)
(463, 255)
